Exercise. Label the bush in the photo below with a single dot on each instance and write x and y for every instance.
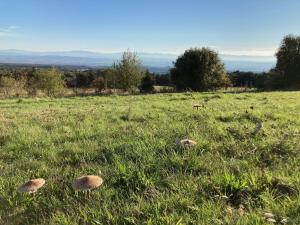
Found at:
(199, 70)
(147, 84)
(47, 80)
(6, 84)
(10, 86)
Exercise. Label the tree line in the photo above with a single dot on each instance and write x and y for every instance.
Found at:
(127, 75)
(202, 70)
(198, 69)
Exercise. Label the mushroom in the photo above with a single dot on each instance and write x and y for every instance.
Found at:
(196, 106)
(32, 186)
(86, 183)
(187, 143)
(269, 215)
(271, 220)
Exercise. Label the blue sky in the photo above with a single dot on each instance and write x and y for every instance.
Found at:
(162, 26)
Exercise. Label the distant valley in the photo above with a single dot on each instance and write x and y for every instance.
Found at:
(155, 62)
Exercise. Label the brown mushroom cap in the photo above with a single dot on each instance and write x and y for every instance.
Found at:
(32, 186)
(187, 143)
(87, 182)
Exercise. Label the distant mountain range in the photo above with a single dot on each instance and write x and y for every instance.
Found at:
(155, 62)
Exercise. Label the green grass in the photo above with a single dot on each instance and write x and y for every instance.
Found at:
(130, 141)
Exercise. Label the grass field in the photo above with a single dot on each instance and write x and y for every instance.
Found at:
(230, 177)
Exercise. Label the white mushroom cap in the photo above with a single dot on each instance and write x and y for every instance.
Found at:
(32, 186)
(269, 215)
(271, 220)
(87, 182)
(187, 143)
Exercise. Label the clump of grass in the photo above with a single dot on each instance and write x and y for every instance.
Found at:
(20, 100)
(131, 180)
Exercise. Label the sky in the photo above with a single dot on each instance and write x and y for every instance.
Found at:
(235, 27)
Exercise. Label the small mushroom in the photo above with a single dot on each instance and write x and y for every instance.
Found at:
(86, 183)
(196, 106)
(32, 186)
(269, 215)
(271, 220)
(187, 143)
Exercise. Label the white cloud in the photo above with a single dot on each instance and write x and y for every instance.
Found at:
(12, 27)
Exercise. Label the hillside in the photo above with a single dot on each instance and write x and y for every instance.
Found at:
(230, 177)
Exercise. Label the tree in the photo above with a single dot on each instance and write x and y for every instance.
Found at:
(48, 80)
(148, 82)
(99, 84)
(128, 71)
(288, 60)
(199, 70)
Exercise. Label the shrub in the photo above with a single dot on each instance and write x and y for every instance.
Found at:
(6, 84)
(10, 86)
(47, 80)
(148, 82)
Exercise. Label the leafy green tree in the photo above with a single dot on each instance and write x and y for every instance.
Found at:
(199, 70)
(48, 80)
(288, 60)
(128, 72)
(148, 82)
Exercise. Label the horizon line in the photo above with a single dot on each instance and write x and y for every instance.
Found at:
(229, 53)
